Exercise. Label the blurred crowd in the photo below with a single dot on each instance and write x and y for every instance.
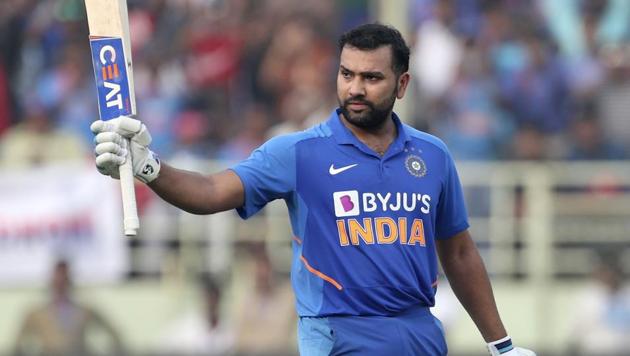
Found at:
(259, 321)
(213, 78)
(511, 80)
(526, 79)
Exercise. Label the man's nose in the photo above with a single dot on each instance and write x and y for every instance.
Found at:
(357, 88)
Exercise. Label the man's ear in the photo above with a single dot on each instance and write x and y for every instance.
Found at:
(403, 82)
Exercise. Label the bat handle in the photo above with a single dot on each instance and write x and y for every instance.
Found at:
(131, 223)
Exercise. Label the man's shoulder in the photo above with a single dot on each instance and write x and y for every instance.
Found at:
(289, 140)
(37, 312)
(422, 136)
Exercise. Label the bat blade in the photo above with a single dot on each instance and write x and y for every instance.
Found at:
(113, 71)
(111, 57)
(107, 18)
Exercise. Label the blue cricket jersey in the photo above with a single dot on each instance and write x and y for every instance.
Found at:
(364, 225)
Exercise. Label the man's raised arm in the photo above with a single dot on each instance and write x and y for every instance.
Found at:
(190, 191)
(197, 193)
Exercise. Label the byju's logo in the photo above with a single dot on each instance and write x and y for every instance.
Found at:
(346, 203)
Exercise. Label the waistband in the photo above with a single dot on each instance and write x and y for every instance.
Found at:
(419, 310)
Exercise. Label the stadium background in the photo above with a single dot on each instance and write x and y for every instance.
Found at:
(531, 96)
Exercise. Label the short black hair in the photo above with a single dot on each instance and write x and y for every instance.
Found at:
(375, 35)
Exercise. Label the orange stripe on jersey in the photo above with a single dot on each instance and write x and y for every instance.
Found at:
(109, 72)
(296, 239)
(320, 274)
(104, 72)
(115, 70)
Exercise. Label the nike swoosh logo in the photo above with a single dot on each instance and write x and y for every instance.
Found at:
(333, 171)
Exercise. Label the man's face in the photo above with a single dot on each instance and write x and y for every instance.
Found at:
(367, 86)
(60, 284)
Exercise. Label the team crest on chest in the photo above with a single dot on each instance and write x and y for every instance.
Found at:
(415, 166)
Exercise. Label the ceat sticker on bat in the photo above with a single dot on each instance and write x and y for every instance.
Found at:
(110, 71)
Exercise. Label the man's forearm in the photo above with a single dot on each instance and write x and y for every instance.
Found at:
(470, 283)
(197, 193)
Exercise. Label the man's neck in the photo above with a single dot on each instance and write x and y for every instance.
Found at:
(377, 138)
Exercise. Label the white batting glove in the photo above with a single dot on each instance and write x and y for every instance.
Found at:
(112, 149)
(504, 347)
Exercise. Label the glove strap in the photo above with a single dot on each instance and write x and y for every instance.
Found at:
(150, 168)
(501, 346)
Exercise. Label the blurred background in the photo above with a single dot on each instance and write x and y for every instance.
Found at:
(531, 96)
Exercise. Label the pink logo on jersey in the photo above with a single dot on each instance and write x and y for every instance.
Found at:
(347, 203)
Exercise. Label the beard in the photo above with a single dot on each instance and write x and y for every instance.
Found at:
(371, 117)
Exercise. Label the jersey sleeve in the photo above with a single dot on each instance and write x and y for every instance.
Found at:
(452, 217)
(268, 174)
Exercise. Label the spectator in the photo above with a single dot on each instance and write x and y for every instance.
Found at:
(5, 102)
(575, 23)
(249, 135)
(602, 313)
(529, 144)
(539, 93)
(295, 58)
(266, 317)
(202, 332)
(588, 142)
(438, 51)
(14, 17)
(63, 326)
(36, 141)
(300, 109)
(474, 125)
(612, 100)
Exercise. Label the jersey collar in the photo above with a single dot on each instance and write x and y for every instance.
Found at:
(344, 136)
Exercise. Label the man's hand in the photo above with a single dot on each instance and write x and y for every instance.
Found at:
(504, 347)
(112, 148)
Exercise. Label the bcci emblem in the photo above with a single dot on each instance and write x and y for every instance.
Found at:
(416, 166)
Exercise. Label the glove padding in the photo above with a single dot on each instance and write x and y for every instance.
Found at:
(504, 347)
(112, 148)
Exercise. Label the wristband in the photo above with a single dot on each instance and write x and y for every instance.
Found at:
(501, 346)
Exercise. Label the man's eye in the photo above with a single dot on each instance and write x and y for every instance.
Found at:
(346, 75)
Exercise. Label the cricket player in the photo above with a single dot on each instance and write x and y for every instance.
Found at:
(374, 204)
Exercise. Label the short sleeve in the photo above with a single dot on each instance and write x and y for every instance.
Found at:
(452, 217)
(268, 174)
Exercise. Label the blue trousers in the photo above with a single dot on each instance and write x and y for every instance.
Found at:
(414, 333)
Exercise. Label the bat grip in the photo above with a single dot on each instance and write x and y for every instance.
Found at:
(131, 223)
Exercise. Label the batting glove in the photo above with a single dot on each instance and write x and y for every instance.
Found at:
(504, 347)
(112, 148)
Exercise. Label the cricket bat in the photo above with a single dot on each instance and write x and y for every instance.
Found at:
(111, 58)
